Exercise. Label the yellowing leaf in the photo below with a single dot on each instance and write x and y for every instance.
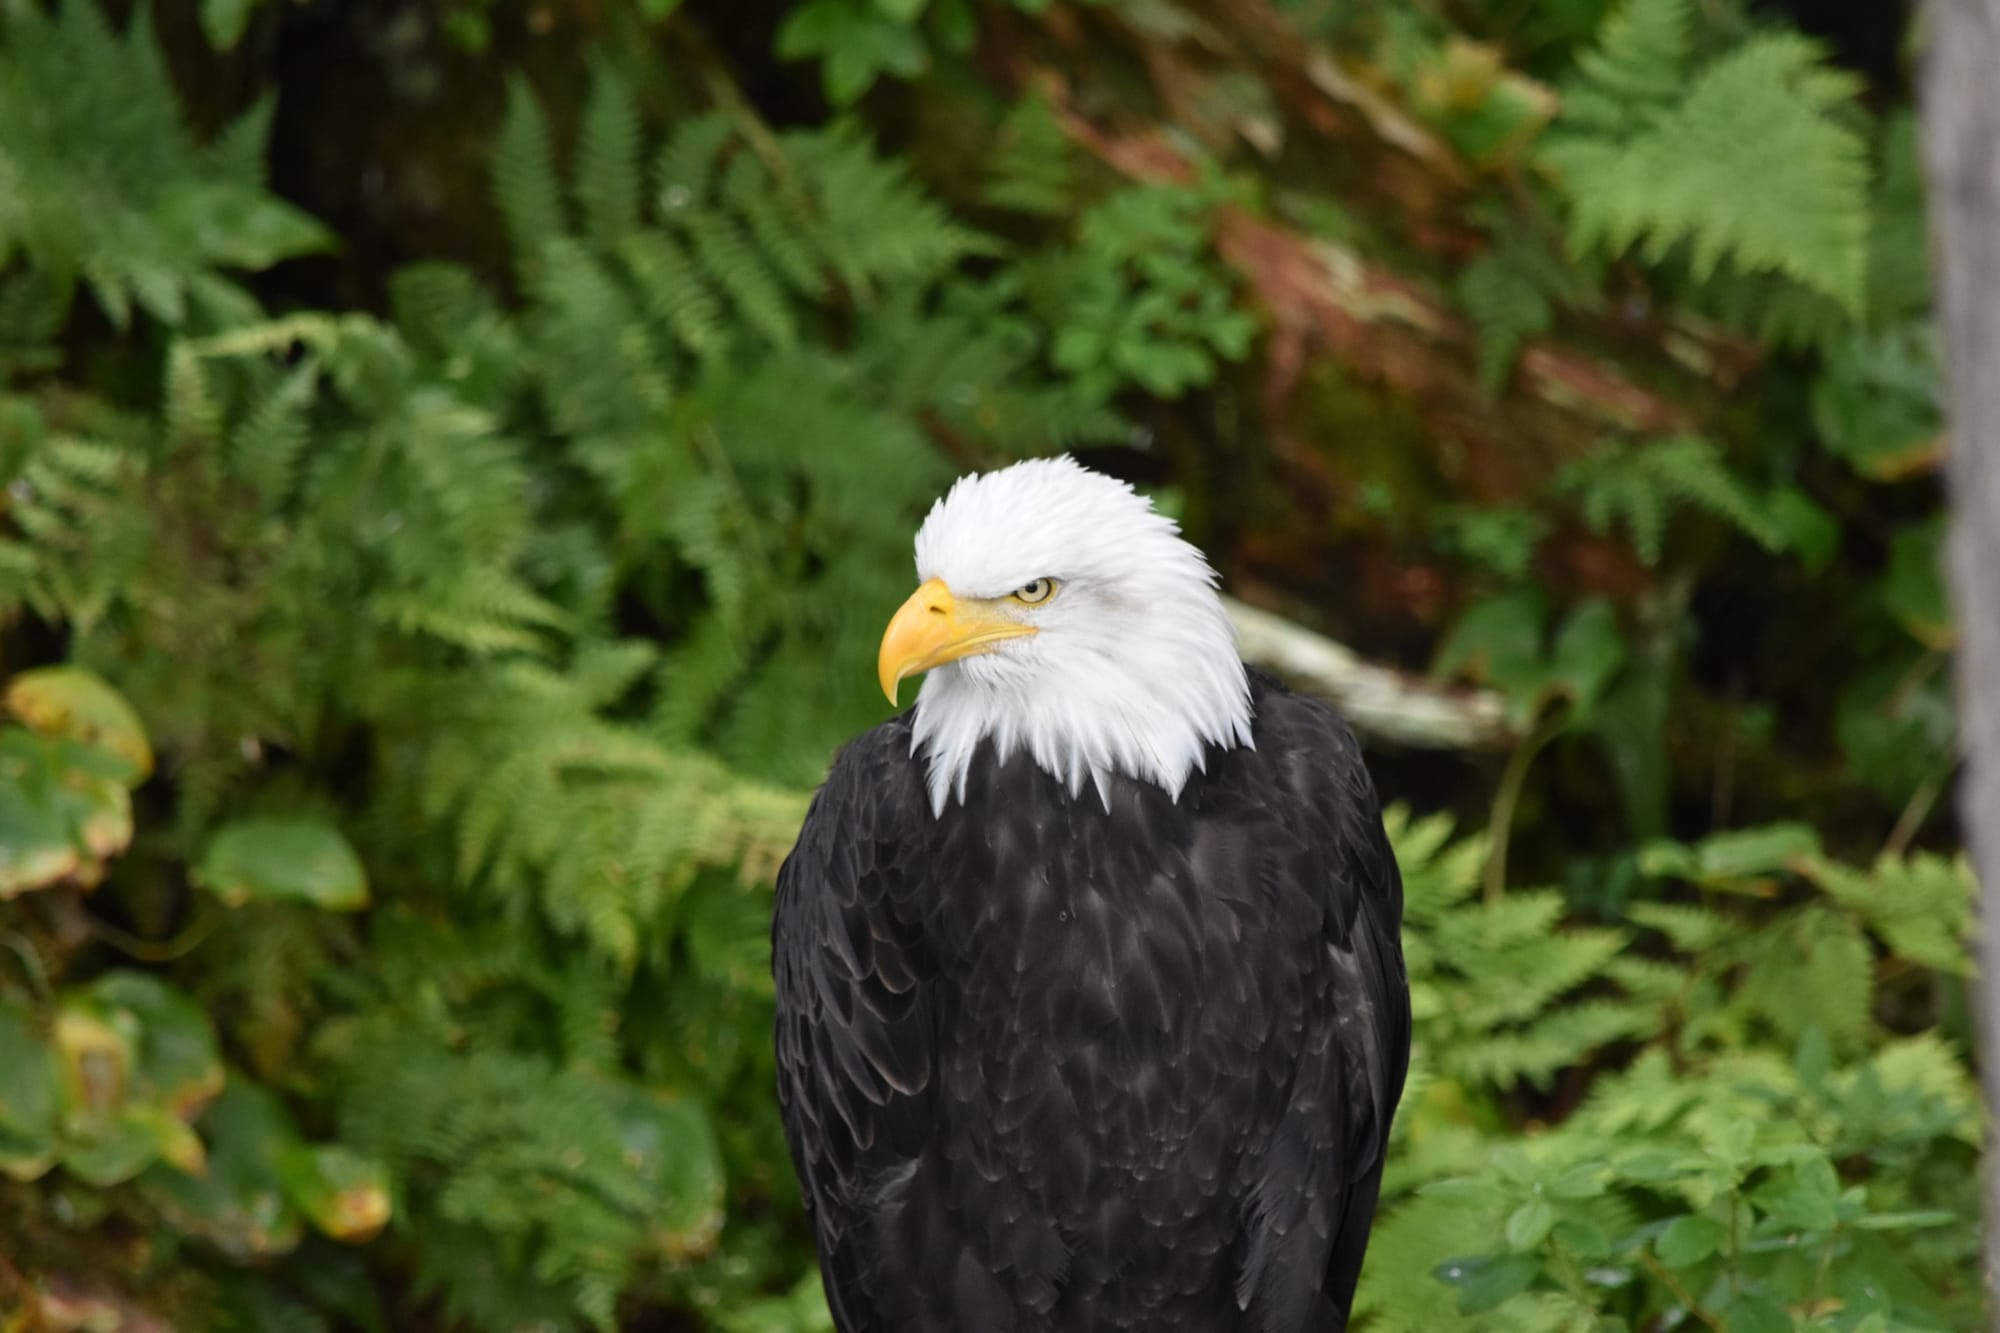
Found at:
(342, 1193)
(73, 702)
(179, 1067)
(96, 1047)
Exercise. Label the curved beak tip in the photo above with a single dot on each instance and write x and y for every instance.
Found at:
(933, 628)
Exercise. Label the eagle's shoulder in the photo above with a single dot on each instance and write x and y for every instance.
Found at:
(1312, 759)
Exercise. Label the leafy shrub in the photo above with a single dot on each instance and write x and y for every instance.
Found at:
(406, 708)
(1754, 1143)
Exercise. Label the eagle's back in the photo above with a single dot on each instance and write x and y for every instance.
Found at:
(1047, 1066)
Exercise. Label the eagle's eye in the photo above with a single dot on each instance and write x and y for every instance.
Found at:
(1031, 594)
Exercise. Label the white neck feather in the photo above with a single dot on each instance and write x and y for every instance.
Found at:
(1134, 668)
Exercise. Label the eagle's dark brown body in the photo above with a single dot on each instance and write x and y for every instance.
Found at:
(1048, 1067)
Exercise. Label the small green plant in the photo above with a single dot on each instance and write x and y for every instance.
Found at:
(859, 42)
(1761, 1153)
(1137, 300)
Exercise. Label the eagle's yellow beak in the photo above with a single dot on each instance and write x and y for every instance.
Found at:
(933, 628)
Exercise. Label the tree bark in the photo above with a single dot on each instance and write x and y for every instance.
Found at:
(1961, 107)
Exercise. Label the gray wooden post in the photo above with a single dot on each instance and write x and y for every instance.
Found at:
(1960, 103)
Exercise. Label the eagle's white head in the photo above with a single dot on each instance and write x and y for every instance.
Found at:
(1060, 613)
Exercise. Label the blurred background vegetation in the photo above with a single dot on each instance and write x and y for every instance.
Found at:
(456, 458)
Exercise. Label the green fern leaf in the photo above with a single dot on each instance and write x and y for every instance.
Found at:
(1638, 65)
(238, 152)
(1754, 166)
(877, 226)
(684, 171)
(726, 255)
(1029, 169)
(524, 177)
(673, 293)
(1638, 483)
(267, 442)
(778, 225)
(607, 167)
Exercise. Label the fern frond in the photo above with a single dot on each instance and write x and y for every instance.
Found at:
(684, 170)
(485, 612)
(265, 446)
(1814, 967)
(1638, 484)
(1637, 65)
(603, 374)
(1512, 292)
(524, 177)
(1692, 929)
(1029, 168)
(876, 225)
(608, 173)
(1536, 1052)
(777, 223)
(673, 293)
(725, 254)
(238, 151)
(1790, 198)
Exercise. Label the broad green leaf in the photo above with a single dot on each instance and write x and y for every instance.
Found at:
(298, 858)
(1741, 854)
(73, 702)
(1689, 1240)
(136, 1059)
(1582, 1238)
(178, 1065)
(1656, 1166)
(113, 1149)
(1803, 1197)
(29, 1097)
(1876, 403)
(1488, 111)
(1500, 641)
(1913, 585)
(37, 843)
(1485, 1283)
(1755, 1312)
(1909, 1221)
(102, 809)
(670, 1145)
(223, 21)
(1588, 652)
(1529, 1224)
(856, 43)
(239, 1202)
(1585, 1180)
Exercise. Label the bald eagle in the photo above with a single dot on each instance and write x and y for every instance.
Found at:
(1092, 1011)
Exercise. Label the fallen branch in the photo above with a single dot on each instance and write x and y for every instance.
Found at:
(1380, 701)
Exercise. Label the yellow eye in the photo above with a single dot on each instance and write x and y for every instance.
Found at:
(1032, 593)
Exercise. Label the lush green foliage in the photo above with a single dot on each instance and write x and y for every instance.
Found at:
(409, 696)
(1763, 1143)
